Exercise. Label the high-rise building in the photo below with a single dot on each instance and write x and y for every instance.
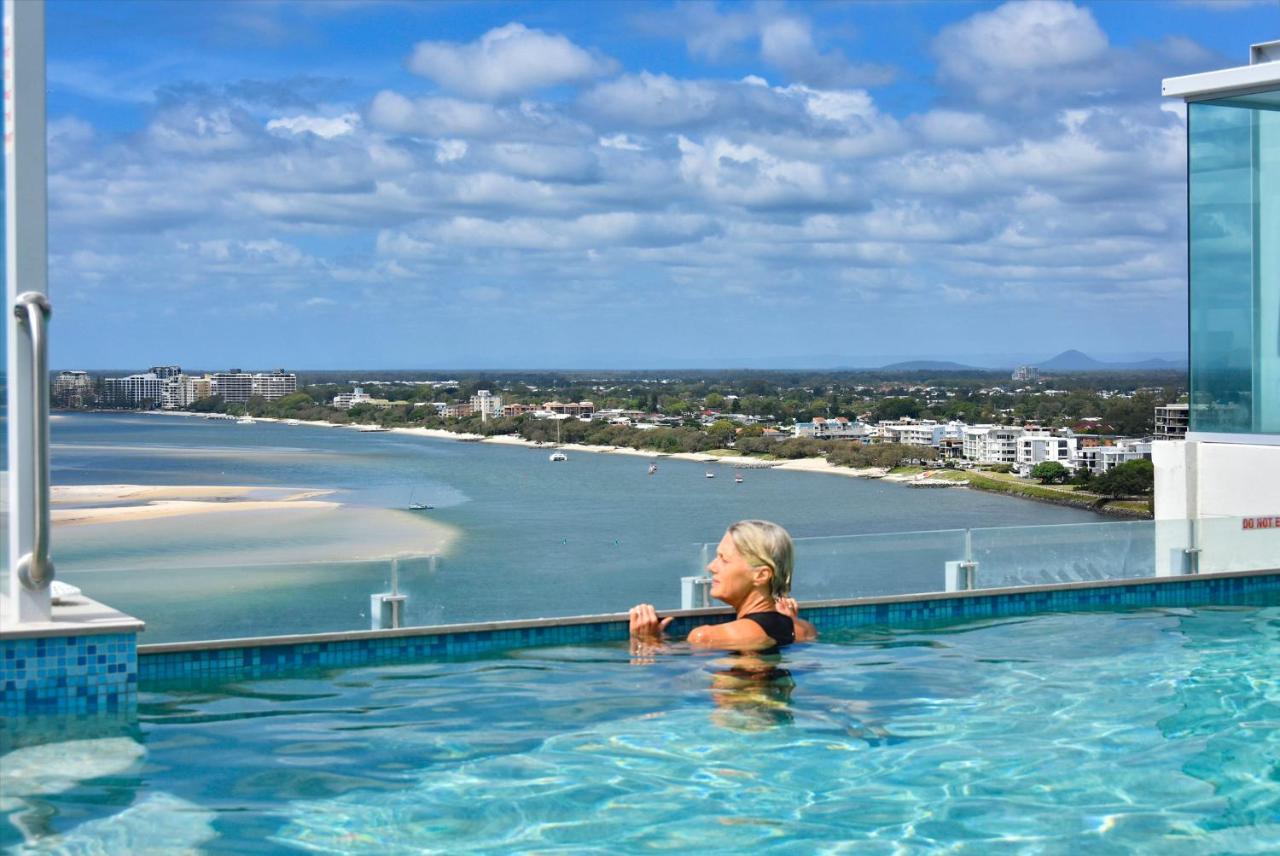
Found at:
(237, 387)
(486, 404)
(73, 389)
(1171, 422)
(138, 390)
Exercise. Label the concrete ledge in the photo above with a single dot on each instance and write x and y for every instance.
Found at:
(721, 613)
(80, 616)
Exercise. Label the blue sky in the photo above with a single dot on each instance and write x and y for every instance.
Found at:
(573, 185)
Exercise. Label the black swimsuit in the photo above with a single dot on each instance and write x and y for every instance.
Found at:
(778, 627)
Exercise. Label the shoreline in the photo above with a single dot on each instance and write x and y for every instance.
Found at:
(805, 465)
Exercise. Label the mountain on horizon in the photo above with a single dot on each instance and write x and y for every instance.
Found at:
(1077, 361)
(927, 366)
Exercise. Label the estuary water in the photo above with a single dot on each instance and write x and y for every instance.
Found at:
(527, 537)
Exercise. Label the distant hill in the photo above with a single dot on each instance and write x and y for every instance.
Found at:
(927, 366)
(1075, 361)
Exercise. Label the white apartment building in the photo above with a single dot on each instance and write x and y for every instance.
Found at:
(992, 444)
(348, 400)
(838, 428)
(913, 433)
(1026, 373)
(1036, 447)
(136, 389)
(486, 404)
(236, 387)
(1099, 459)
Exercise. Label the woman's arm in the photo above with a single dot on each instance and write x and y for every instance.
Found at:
(805, 632)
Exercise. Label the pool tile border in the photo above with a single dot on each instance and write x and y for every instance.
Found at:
(232, 659)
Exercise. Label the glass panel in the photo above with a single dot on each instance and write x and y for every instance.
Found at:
(875, 565)
(1034, 555)
(1234, 206)
(1239, 544)
(849, 566)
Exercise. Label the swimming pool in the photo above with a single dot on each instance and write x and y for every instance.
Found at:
(1098, 732)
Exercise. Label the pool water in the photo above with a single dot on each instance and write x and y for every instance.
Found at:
(1109, 732)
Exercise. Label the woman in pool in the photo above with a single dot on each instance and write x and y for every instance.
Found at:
(752, 573)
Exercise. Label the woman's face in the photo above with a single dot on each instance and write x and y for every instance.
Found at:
(732, 578)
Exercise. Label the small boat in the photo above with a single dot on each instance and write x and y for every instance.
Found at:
(293, 422)
(737, 479)
(418, 506)
(245, 420)
(372, 429)
(653, 468)
(710, 474)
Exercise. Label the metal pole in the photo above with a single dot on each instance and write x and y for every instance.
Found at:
(26, 270)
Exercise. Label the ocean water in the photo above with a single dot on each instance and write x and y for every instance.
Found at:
(594, 534)
(1103, 733)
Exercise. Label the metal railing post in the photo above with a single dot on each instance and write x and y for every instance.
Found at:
(26, 270)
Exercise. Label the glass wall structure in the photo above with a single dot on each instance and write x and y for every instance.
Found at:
(1234, 210)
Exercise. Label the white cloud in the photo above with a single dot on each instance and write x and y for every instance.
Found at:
(1001, 54)
(750, 176)
(448, 151)
(956, 128)
(507, 61)
(322, 126)
(621, 142)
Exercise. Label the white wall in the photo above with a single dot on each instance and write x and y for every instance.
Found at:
(1198, 480)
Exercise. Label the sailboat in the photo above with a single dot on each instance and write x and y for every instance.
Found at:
(710, 474)
(245, 419)
(558, 455)
(418, 506)
(653, 468)
(737, 479)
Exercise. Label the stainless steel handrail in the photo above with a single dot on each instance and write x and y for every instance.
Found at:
(35, 570)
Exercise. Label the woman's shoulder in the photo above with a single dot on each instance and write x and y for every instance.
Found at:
(739, 634)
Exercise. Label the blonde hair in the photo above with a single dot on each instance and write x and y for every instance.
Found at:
(763, 543)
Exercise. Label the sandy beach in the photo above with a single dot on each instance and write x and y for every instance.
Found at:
(109, 503)
(804, 465)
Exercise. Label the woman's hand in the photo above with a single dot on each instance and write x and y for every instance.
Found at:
(645, 623)
(805, 632)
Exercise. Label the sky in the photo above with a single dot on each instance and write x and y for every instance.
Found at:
(578, 185)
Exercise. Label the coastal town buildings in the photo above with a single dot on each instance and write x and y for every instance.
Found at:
(144, 389)
(1026, 374)
(169, 388)
(1038, 446)
(1097, 459)
(348, 400)
(73, 389)
(486, 404)
(837, 428)
(1171, 422)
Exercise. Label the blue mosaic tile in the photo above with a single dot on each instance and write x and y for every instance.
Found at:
(259, 661)
(67, 675)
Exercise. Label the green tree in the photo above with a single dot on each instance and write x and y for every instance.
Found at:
(1132, 478)
(1050, 472)
(896, 408)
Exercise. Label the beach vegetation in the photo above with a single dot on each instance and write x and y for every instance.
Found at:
(1132, 478)
(1050, 472)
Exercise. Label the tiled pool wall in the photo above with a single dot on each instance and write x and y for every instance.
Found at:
(165, 664)
(97, 677)
(57, 678)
